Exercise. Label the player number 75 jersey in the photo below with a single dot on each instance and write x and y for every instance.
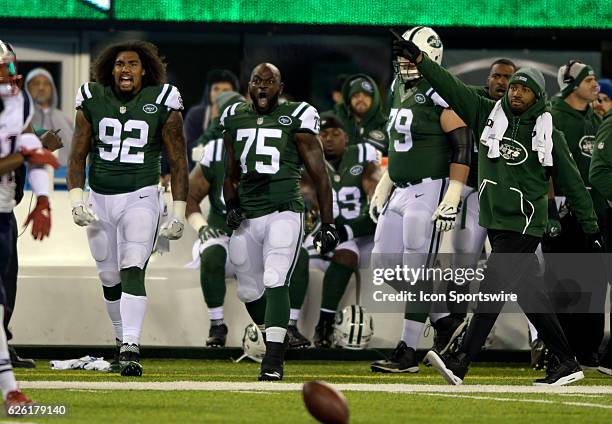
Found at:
(265, 149)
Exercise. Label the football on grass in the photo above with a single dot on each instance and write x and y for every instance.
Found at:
(325, 403)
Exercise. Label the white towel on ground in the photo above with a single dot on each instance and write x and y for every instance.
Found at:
(84, 363)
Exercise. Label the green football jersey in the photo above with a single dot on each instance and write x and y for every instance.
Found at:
(213, 168)
(127, 134)
(418, 148)
(265, 149)
(350, 200)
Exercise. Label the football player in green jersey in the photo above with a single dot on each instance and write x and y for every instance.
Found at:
(425, 136)
(266, 145)
(354, 173)
(122, 120)
(519, 150)
(213, 243)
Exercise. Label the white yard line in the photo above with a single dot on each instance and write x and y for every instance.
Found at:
(587, 404)
(277, 387)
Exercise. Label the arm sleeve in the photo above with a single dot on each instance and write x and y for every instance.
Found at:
(309, 120)
(39, 181)
(566, 176)
(453, 91)
(600, 173)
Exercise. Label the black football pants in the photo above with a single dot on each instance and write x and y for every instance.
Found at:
(513, 266)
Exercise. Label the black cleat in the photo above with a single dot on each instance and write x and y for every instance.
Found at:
(19, 362)
(296, 339)
(605, 363)
(539, 354)
(115, 366)
(561, 373)
(448, 330)
(403, 360)
(217, 335)
(272, 363)
(129, 360)
(452, 366)
(323, 334)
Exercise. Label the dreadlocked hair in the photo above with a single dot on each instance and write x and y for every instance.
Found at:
(152, 63)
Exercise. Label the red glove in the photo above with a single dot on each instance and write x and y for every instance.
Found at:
(40, 157)
(40, 218)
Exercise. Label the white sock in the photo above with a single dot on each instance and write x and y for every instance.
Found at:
(7, 378)
(435, 316)
(412, 332)
(294, 314)
(215, 313)
(276, 334)
(133, 310)
(532, 331)
(113, 307)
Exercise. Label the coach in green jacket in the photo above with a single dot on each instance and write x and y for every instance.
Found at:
(519, 150)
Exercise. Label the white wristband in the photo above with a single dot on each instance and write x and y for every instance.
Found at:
(453, 194)
(196, 220)
(178, 209)
(76, 196)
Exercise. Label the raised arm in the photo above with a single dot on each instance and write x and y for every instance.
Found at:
(464, 101)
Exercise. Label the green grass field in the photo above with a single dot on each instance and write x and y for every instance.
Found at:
(189, 391)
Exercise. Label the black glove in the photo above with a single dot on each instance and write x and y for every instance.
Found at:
(342, 233)
(406, 49)
(326, 239)
(594, 242)
(235, 214)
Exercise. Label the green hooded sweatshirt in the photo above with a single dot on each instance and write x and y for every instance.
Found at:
(579, 130)
(372, 129)
(600, 173)
(513, 189)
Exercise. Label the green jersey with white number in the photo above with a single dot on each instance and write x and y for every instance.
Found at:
(213, 168)
(418, 148)
(350, 200)
(126, 134)
(267, 154)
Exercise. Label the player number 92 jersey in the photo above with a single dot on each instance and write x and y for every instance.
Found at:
(267, 155)
(127, 134)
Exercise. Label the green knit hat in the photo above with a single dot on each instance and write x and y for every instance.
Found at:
(360, 85)
(568, 81)
(532, 78)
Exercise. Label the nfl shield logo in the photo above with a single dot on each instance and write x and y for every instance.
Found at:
(122, 109)
(260, 120)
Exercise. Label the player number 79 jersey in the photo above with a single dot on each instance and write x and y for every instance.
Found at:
(418, 148)
(267, 155)
(127, 134)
